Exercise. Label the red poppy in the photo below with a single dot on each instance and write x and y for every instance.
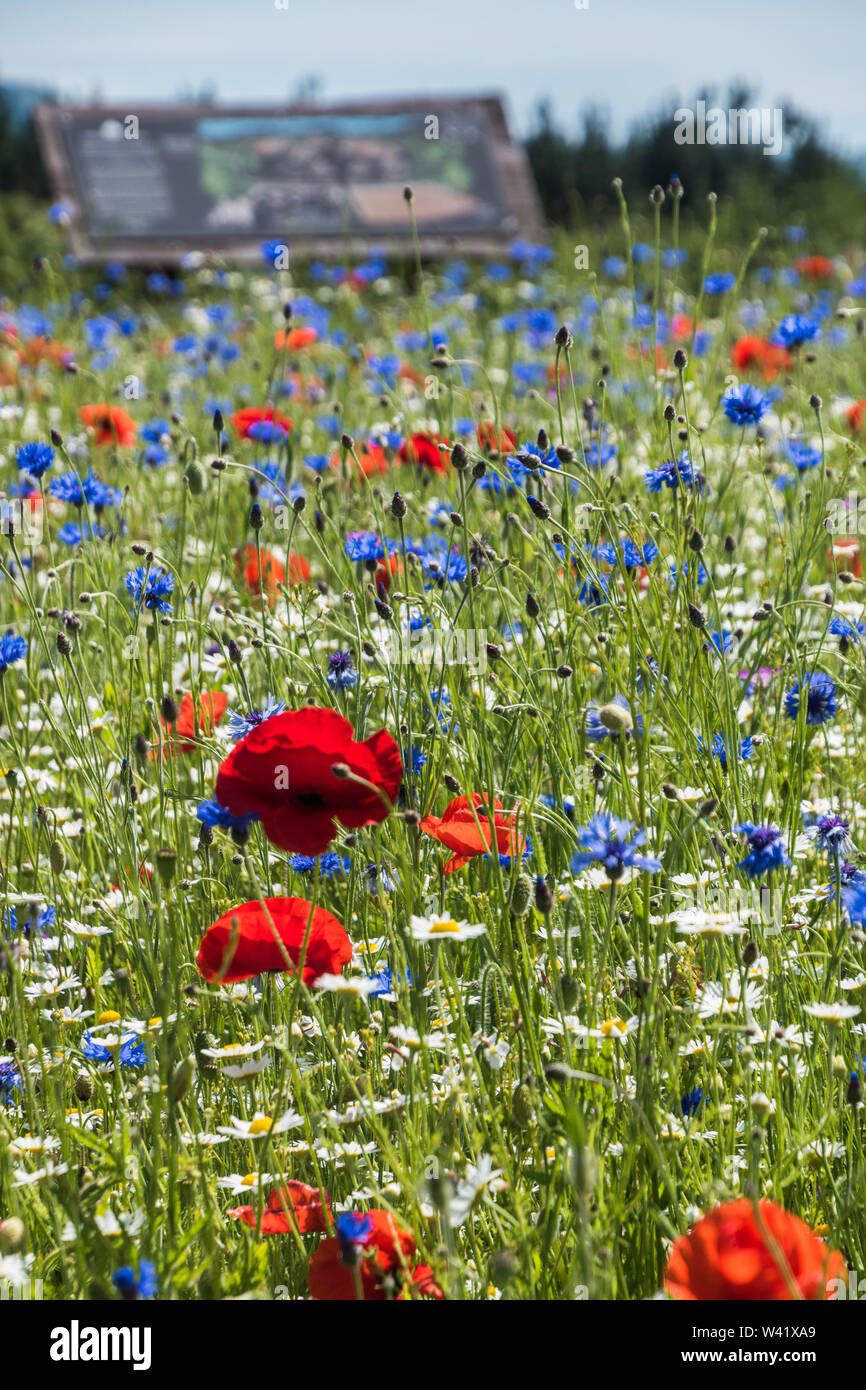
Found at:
(282, 770)
(385, 1253)
(392, 564)
(371, 460)
(467, 831)
(112, 425)
(295, 338)
(193, 721)
(242, 942)
(424, 448)
(754, 352)
(682, 326)
(729, 1255)
(854, 416)
(254, 415)
(295, 1207)
(815, 267)
(486, 433)
(844, 554)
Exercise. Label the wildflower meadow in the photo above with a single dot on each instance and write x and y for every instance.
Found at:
(432, 807)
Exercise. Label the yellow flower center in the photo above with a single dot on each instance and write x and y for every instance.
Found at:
(262, 1125)
(610, 1024)
(448, 925)
(250, 1179)
(109, 1016)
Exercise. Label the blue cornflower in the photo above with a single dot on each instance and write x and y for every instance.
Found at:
(150, 588)
(213, 814)
(821, 700)
(329, 864)
(630, 556)
(841, 627)
(131, 1286)
(673, 473)
(719, 283)
(45, 917)
(802, 455)
(794, 330)
(10, 1082)
(414, 760)
(68, 487)
(719, 750)
(153, 430)
(131, 1052)
(745, 405)
(767, 851)
(721, 642)
(377, 878)
(364, 545)
(241, 724)
(12, 648)
(853, 893)
(832, 838)
(611, 843)
(386, 980)
(341, 671)
(34, 458)
(693, 1102)
(353, 1228)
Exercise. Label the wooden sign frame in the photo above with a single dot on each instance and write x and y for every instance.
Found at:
(516, 191)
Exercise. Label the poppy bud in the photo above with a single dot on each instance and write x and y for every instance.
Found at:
(616, 718)
(12, 1235)
(182, 1079)
(83, 1088)
(521, 895)
(166, 863)
(569, 991)
(56, 857)
(522, 1107)
(195, 477)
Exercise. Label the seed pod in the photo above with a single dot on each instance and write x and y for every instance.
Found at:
(57, 857)
(522, 1107)
(196, 478)
(521, 895)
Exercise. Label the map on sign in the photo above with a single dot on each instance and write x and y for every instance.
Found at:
(210, 178)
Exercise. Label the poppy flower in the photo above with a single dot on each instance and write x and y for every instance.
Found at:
(243, 420)
(242, 942)
(111, 424)
(815, 267)
(486, 433)
(370, 1248)
(854, 416)
(752, 352)
(371, 460)
(466, 831)
(729, 1255)
(282, 770)
(424, 449)
(844, 554)
(295, 1207)
(194, 720)
(295, 338)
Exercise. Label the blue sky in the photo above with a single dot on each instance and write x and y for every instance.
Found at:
(625, 55)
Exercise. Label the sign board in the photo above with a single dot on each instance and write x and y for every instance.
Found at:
(152, 184)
